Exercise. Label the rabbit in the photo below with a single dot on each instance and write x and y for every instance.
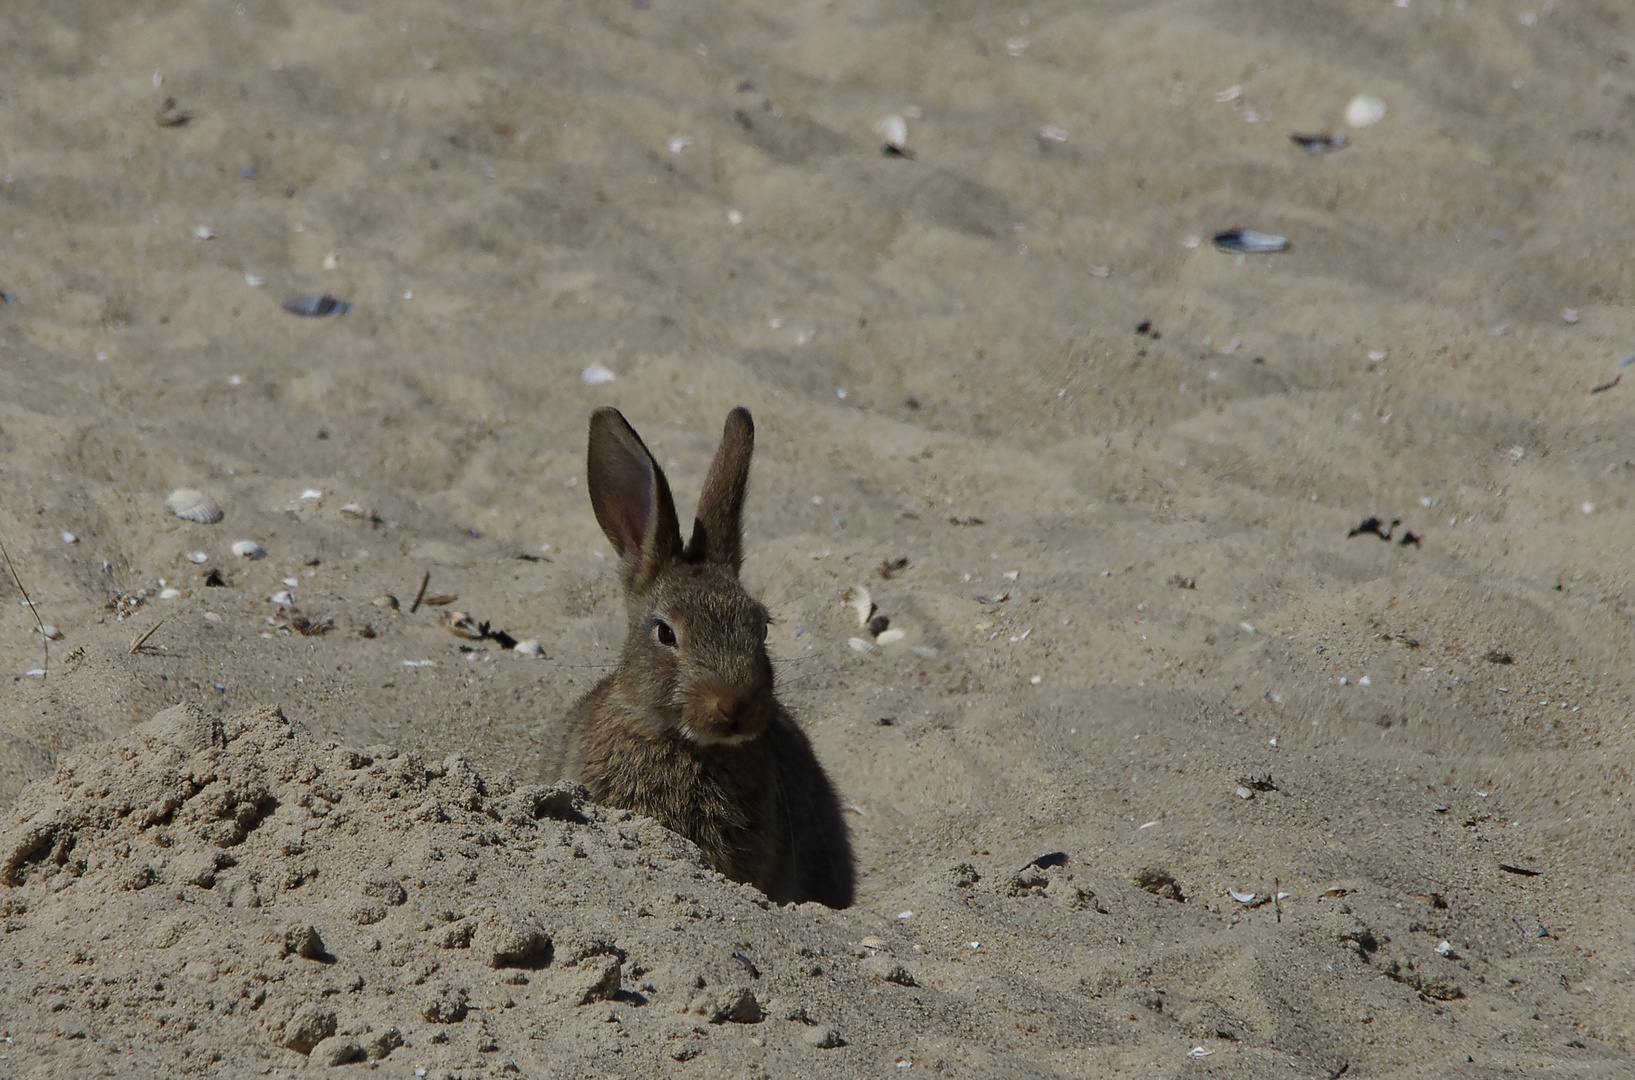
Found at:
(687, 729)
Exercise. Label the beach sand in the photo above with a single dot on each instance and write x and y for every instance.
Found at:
(1121, 465)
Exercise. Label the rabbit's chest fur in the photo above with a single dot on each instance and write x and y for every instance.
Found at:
(723, 798)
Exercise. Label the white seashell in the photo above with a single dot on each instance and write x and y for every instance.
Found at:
(1364, 110)
(1443, 948)
(194, 506)
(1012, 575)
(862, 645)
(1569, 315)
(895, 131)
(1241, 897)
(50, 631)
(69, 538)
(419, 663)
(678, 143)
(353, 510)
(203, 232)
(197, 557)
(252, 281)
(886, 637)
(283, 598)
(857, 597)
(291, 582)
(212, 617)
(530, 648)
(597, 374)
(312, 493)
(924, 652)
(249, 549)
(1036, 680)
(169, 594)
(1244, 793)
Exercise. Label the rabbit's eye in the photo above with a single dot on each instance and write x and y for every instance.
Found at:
(664, 633)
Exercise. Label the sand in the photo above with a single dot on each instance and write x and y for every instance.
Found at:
(1136, 631)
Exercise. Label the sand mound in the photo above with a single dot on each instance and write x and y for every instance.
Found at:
(232, 896)
(202, 892)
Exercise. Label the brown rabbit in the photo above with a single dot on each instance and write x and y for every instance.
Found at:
(687, 729)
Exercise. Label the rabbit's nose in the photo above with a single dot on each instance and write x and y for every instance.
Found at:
(741, 712)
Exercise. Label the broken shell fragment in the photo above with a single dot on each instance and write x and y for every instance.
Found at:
(316, 307)
(530, 648)
(886, 637)
(249, 549)
(597, 375)
(460, 624)
(198, 558)
(1250, 242)
(193, 505)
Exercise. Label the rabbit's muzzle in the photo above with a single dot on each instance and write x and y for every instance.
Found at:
(723, 714)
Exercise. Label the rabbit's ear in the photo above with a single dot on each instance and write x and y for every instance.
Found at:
(718, 525)
(631, 498)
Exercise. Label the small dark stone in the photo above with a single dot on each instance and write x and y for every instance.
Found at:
(878, 625)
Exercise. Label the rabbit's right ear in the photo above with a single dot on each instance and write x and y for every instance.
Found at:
(718, 528)
(631, 498)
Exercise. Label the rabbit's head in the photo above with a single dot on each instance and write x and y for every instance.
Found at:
(695, 656)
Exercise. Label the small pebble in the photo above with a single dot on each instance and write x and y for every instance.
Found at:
(1245, 793)
(1569, 315)
(283, 598)
(198, 558)
(530, 648)
(1320, 144)
(596, 375)
(249, 549)
(203, 232)
(316, 307)
(69, 538)
(1036, 680)
(1364, 111)
(823, 1036)
(169, 594)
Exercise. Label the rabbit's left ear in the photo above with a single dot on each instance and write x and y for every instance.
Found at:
(718, 526)
(631, 499)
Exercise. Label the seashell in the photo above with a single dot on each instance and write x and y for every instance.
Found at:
(249, 549)
(1317, 145)
(924, 652)
(252, 281)
(862, 645)
(1250, 242)
(198, 558)
(1241, 897)
(283, 598)
(194, 505)
(353, 510)
(1364, 110)
(886, 637)
(203, 232)
(530, 648)
(596, 375)
(69, 538)
(317, 307)
(50, 631)
(858, 599)
(291, 582)
(312, 493)
(169, 594)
